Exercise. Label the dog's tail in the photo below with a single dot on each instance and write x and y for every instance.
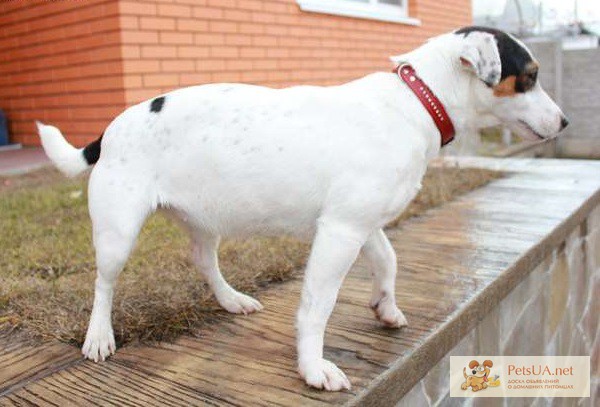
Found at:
(69, 160)
(465, 373)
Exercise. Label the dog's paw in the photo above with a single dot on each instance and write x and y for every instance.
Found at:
(388, 313)
(322, 374)
(99, 344)
(238, 303)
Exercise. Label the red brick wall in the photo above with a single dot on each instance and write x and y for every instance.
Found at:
(78, 72)
(60, 62)
(272, 42)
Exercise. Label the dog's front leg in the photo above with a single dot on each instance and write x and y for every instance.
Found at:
(334, 249)
(382, 260)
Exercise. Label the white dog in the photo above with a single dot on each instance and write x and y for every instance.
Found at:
(334, 163)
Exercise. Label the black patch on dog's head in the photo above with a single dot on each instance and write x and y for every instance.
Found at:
(517, 64)
(157, 104)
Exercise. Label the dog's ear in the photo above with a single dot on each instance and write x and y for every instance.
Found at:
(480, 55)
(473, 364)
(488, 363)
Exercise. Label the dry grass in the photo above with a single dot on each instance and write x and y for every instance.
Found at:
(47, 262)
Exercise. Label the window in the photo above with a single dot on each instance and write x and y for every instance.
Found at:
(385, 10)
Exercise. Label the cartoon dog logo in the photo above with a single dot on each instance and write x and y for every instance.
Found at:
(479, 378)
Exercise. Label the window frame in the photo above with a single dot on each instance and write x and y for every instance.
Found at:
(373, 10)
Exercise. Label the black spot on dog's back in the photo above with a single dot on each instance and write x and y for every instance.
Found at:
(157, 104)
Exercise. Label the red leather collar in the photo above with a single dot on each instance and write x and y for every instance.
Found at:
(432, 104)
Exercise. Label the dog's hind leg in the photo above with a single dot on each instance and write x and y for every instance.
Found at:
(117, 218)
(382, 260)
(204, 253)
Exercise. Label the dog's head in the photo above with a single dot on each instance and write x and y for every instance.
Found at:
(507, 84)
(478, 370)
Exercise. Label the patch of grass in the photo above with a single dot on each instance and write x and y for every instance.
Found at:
(47, 267)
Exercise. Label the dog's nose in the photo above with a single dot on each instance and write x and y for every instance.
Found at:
(564, 122)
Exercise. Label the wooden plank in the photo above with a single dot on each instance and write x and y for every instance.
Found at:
(22, 362)
(456, 263)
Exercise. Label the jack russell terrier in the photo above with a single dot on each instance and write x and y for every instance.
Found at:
(333, 164)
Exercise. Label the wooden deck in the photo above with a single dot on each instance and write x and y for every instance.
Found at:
(456, 264)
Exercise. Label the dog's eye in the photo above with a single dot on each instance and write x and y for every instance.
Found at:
(526, 81)
(530, 80)
(474, 371)
(533, 76)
